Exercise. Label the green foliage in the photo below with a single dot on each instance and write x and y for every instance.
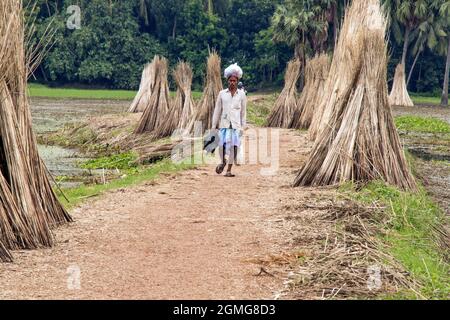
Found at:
(250, 42)
(269, 63)
(117, 38)
(258, 111)
(198, 32)
(298, 23)
(420, 124)
(123, 161)
(429, 75)
(109, 49)
(411, 238)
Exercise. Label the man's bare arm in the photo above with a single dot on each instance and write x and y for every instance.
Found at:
(217, 113)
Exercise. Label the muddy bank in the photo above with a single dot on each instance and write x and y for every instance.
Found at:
(50, 115)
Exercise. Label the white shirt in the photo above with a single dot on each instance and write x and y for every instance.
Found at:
(230, 110)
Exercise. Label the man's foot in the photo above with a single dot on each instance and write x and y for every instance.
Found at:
(230, 175)
(221, 167)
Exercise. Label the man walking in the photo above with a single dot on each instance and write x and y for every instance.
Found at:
(230, 117)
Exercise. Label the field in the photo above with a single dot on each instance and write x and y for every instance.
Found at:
(100, 180)
(42, 91)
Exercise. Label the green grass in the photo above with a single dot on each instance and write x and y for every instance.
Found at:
(123, 161)
(422, 124)
(420, 99)
(409, 236)
(81, 193)
(258, 111)
(42, 91)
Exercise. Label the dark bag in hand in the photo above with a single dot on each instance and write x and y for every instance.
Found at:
(211, 141)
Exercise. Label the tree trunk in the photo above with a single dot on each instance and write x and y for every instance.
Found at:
(210, 7)
(43, 74)
(444, 99)
(405, 46)
(48, 9)
(174, 30)
(335, 24)
(300, 55)
(412, 67)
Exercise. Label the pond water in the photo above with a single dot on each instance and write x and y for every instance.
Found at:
(52, 114)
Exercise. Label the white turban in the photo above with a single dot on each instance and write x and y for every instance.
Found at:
(234, 70)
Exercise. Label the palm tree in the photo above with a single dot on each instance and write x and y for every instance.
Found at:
(406, 17)
(143, 10)
(427, 35)
(210, 6)
(299, 23)
(216, 7)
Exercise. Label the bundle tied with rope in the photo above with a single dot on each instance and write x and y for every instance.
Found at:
(29, 208)
(357, 140)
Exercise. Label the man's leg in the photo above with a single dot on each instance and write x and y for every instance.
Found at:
(232, 159)
(223, 151)
(222, 165)
(230, 166)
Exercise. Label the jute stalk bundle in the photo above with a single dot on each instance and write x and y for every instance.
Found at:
(359, 141)
(286, 104)
(213, 86)
(142, 98)
(28, 206)
(181, 110)
(183, 77)
(316, 73)
(399, 94)
(157, 109)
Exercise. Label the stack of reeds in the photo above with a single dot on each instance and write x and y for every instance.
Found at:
(142, 98)
(213, 86)
(358, 140)
(28, 205)
(182, 109)
(156, 111)
(183, 77)
(316, 73)
(287, 103)
(399, 94)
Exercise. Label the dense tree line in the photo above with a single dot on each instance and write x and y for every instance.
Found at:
(117, 37)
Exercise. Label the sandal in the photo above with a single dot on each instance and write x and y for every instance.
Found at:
(220, 168)
(230, 175)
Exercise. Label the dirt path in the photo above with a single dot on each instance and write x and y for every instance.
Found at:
(174, 239)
